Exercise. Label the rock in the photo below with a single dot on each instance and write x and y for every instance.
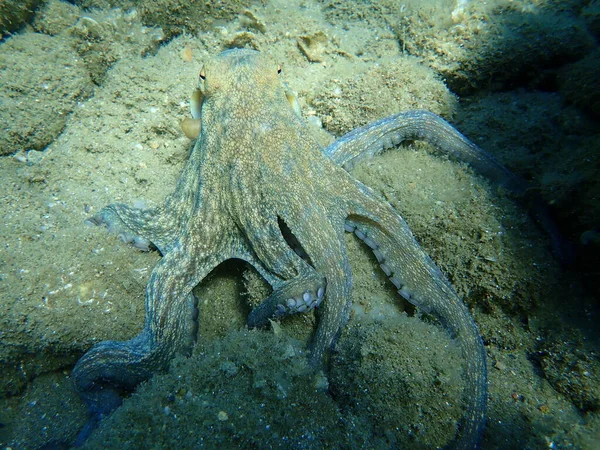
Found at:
(43, 80)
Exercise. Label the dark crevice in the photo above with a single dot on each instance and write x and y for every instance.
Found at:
(293, 241)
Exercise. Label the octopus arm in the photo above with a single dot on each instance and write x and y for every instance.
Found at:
(323, 276)
(373, 138)
(143, 228)
(296, 295)
(320, 234)
(113, 368)
(317, 225)
(157, 226)
(419, 281)
(278, 255)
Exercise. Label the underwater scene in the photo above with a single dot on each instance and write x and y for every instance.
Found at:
(303, 224)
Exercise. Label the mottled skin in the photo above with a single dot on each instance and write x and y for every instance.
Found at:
(257, 184)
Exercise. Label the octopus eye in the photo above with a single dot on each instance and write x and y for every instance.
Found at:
(202, 75)
(278, 69)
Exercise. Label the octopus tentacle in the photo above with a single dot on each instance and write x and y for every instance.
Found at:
(157, 226)
(419, 281)
(321, 235)
(297, 286)
(327, 273)
(134, 225)
(263, 230)
(373, 138)
(112, 368)
(300, 294)
(335, 312)
(267, 241)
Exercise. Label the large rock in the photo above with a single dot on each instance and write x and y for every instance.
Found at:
(14, 13)
(42, 82)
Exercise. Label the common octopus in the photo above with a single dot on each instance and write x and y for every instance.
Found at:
(258, 187)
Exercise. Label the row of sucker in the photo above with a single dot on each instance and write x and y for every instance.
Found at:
(394, 277)
(442, 303)
(137, 241)
(128, 238)
(299, 304)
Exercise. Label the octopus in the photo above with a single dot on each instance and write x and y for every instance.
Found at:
(259, 188)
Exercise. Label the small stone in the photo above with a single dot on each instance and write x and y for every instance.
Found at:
(244, 39)
(250, 20)
(222, 416)
(313, 46)
(499, 365)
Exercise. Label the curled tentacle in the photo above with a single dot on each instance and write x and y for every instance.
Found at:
(298, 295)
(419, 281)
(321, 276)
(133, 225)
(297, 286)
(319, 232)
(371, 139)
(111, 369)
